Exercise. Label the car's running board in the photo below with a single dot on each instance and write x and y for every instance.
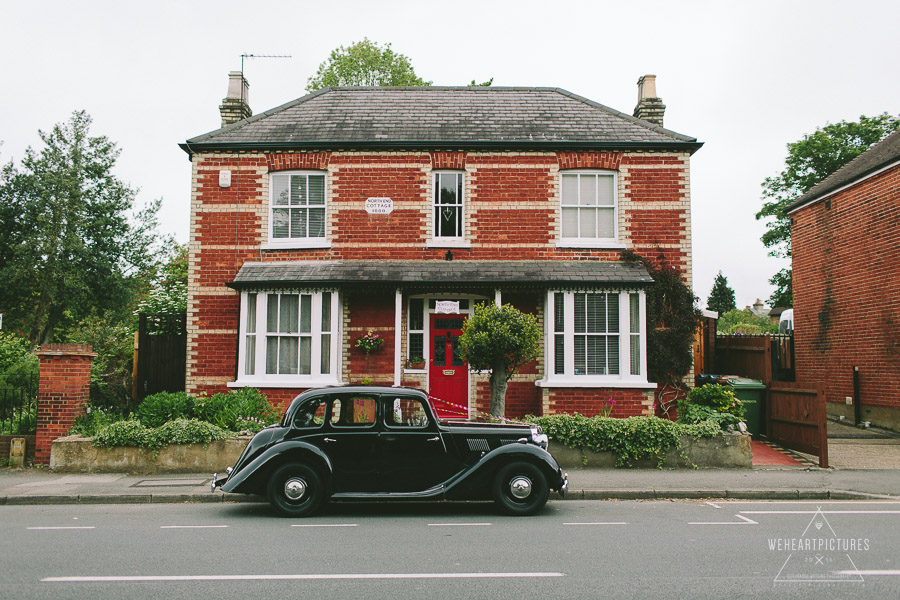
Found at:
(430, 493)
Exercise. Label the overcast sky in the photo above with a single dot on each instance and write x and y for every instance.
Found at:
(745, 78)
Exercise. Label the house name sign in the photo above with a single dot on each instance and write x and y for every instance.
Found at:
(379, 206)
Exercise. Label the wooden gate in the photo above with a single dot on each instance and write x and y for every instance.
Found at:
(161, 354)
(796, 418)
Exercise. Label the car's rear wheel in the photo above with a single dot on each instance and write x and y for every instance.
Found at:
(520, 488)
(295, 490)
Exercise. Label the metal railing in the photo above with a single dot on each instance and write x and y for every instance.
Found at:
(18, 404)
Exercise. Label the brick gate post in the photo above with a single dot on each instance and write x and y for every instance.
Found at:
(63, 391)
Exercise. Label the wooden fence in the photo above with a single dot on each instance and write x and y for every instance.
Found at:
(764, 357)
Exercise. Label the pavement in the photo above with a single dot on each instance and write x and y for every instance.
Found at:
(865, 464)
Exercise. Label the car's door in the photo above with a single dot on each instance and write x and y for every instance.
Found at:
(413, 454)
(350, 439)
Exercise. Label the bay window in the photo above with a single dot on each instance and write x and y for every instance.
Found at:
(595, 338)
(289, 337)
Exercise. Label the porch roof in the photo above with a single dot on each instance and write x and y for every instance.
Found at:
(546, 273)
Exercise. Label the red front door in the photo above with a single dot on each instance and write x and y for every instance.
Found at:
(448, 375)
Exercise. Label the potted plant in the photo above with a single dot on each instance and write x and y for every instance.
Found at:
(415, 362)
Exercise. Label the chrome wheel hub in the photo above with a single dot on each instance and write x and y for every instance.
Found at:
(520, 487)
(294, 489)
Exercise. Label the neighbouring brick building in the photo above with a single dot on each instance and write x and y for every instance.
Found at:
(845, 241)
(396, 210)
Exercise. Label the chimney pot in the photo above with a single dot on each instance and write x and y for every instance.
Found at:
(236, 103)
(649, 107)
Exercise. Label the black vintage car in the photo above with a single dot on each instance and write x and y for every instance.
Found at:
(384, 443)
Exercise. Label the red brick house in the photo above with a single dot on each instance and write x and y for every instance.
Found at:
(845, 244)
(395, 210)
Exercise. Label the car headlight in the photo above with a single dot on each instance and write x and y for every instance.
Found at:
(539, 438)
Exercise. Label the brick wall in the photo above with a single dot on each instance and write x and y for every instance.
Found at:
(847, 293)
(512, 213)
(63, 392)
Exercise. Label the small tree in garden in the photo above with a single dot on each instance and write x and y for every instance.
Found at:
(500, 339)
(721, 297)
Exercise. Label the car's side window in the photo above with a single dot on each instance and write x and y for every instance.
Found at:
(353, 411)
(311, 415)
(406, 412)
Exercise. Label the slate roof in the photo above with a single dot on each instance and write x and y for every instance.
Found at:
(877, 157)
(441, 117)
(439, 272)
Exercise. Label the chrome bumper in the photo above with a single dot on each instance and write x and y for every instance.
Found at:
(564, 487)
(219, 481)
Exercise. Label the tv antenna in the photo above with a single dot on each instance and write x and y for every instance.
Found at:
(248, 55)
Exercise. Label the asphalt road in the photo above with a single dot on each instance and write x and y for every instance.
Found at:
(574, 549)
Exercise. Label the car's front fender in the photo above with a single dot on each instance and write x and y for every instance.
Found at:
(253, 477)
(478, 476)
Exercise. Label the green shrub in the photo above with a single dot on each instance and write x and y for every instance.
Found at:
(165, 406)
(629, 439)
(123, 433)
(714, 403)
(184, 431)
(91, 422)
(231, 410)
(718, 397)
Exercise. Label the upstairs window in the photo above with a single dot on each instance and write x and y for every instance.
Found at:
(448, 206)
(297, 209)
(588, 212)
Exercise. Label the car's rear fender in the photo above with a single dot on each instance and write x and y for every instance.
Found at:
(253, 477)
(477, 478)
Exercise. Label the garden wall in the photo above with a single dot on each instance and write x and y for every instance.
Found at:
(74, 454)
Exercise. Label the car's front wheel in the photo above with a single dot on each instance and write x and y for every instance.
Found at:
(295, 490)
(520, 488)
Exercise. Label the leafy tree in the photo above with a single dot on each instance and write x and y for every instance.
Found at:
(168, 292)
(808, 162)
(744, 322)
(67, 246)
(721, 297)
(783, 295)
(502, 339)
(364, 63)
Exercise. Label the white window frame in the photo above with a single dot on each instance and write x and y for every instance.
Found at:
(591, 241)
(624, 379)
(460, 241)
(295, 242)
(259, 378)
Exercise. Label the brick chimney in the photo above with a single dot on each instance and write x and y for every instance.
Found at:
(649, 106)
(236, 104)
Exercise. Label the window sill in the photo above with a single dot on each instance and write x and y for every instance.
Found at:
(296, 245)
(281, 382)
(586, 381)
(609, 245)
(438, 243)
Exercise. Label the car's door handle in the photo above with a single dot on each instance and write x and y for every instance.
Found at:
(330, 440)
(436, 438)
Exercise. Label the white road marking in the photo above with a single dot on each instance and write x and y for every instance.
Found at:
(55, 528)
(816, 502)
(714, 505)
(459, 524)
(326, 525)
(824, 512)
(608, 523)
(322, 576)
(193, 526)
(888, 573)
(744, 521)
